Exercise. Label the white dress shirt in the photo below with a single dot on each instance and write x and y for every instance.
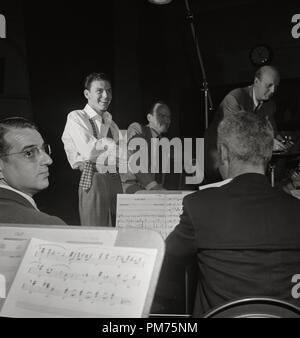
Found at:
(216, 184)
(29, 198)
(79, 141)
(256, 103)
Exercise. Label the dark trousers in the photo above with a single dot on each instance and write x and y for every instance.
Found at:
(97, 207)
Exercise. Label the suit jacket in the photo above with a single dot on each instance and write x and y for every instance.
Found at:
(245, 237)
(237, 100)
(139, 181)
(242, 99)
(16, 209)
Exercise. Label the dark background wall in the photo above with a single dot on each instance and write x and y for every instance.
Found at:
(148, 52)
(162, 53)
(14, 84)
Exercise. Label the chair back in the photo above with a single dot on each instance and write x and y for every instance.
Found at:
(255, 307)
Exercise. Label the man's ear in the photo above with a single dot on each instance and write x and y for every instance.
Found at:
(224, 153)
(86, 94)
(149, 117)
(1, 166)
(256, 80)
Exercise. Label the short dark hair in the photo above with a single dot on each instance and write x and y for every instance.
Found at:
(248, 137)
(154, 103)
(94, 77)
(8, 124)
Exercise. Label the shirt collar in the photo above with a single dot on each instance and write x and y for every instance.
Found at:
(216, 184)
(154, 132)
(91, 112)
(27, 197)
(256, 103)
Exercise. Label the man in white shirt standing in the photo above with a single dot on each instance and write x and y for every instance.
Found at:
(84, 133)
(24, 162)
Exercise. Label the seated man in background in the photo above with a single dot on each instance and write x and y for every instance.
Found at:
(24, 162)
(159, 118)
(244, 235)
(257, 99)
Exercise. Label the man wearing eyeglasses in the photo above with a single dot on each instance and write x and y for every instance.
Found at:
(24, 162)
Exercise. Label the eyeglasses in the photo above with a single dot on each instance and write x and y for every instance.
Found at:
(33, 152)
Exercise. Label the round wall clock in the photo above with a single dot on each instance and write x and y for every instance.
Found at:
(261, 55)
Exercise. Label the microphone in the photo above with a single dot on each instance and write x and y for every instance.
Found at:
(160, 2)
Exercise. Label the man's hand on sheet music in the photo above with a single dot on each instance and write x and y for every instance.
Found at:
(282, 143)
(279, 146)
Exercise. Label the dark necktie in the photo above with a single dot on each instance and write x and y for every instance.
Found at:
(259, 104)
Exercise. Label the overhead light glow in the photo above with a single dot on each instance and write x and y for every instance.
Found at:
(160, 2)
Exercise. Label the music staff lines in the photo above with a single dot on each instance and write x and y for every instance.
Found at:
(127, 280)
(48, 289)
(60, 254)
(159, 212)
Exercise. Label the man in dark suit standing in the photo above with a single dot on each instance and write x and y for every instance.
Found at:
(244, 235)
(257, 99)
(24, 161)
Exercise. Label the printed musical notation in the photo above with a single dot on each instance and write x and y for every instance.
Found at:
(14, 241)
(85, 255)
(159, 212)
(63, 272)
(88, 279)
(47, 289)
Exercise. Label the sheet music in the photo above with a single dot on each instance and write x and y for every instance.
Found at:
(158, 212)
(80, 280)
(14, 241)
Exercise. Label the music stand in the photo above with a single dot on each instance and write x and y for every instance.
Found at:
(205, 89)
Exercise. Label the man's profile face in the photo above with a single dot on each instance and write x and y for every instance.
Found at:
(99, 96)
(28, 174)
(266, 86)
(162, 117)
